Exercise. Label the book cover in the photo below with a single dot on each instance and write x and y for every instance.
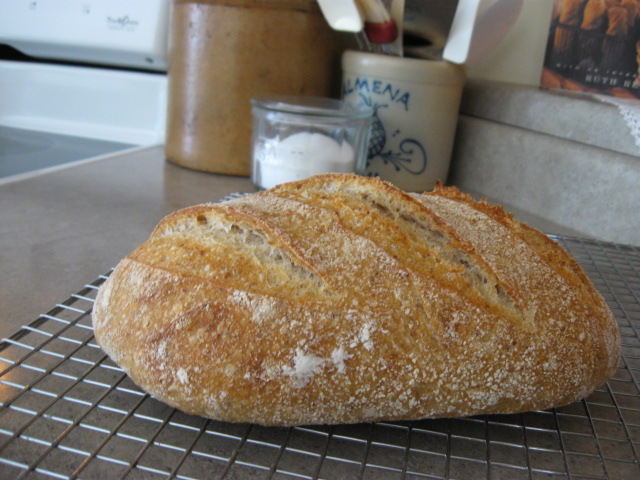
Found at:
(593, 47)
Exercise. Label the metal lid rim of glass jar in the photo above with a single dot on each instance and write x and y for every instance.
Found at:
(311, 106)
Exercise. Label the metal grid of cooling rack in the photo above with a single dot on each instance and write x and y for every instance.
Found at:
(68, 412)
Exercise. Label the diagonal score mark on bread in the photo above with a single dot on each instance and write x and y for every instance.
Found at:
(497, 236)
(340, 257)
(406, 228)
(544, 246)
(230, 241)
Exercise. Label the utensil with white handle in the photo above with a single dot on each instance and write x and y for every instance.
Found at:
(456, 49)
(475, 31)
(342, 15)
(381, 29)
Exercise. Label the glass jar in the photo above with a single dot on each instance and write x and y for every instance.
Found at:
(296, 137)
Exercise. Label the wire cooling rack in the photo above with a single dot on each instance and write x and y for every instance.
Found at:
(68, 412)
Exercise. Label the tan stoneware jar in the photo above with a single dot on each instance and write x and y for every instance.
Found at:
(224, 53)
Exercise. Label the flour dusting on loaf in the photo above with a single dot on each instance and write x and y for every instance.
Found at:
(341, 299)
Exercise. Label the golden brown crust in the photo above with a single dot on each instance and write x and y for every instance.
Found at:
(342, 299)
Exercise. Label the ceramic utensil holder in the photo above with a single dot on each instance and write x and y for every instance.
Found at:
(415, 104)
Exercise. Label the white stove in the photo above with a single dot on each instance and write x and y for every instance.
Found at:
(90, 80)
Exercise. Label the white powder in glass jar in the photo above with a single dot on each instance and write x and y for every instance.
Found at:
(301, 155)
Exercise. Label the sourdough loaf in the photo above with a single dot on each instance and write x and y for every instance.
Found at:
(341, 299)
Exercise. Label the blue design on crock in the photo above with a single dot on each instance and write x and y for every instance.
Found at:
(410, 155)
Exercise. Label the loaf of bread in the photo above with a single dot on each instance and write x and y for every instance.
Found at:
(341, 299)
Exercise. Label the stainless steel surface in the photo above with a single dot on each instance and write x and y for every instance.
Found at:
(69, 412)
(23, 151)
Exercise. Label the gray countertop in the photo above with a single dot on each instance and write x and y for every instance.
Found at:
(62, 229)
